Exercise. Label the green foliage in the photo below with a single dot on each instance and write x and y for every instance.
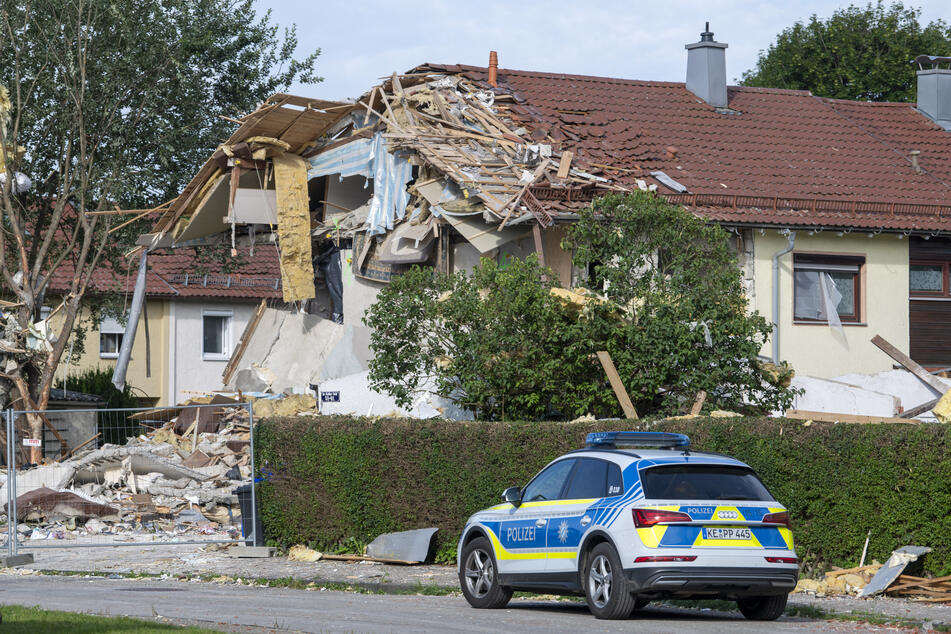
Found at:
(501, 344)
(19, 619)
(494, 341)
(114, 426)
(859, 53)
(687, 327)
(330, 480)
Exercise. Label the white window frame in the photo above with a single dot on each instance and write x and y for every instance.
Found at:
(226, 344)
(113, 328)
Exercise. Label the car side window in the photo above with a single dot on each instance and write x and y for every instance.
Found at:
(615, 480)
(590, 479)
(548, 484)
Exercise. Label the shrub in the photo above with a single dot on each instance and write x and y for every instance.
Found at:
(334, 481)
(114, 426)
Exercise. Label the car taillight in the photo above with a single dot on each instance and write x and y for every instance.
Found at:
(644, 518)
(778, 518)
(640, 560)
(782, 560)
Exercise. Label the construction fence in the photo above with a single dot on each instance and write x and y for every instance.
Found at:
(129, 477)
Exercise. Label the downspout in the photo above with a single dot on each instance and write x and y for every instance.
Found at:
(791, 236)
(135, 311)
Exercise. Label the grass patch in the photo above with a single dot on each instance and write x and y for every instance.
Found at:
(27, 620)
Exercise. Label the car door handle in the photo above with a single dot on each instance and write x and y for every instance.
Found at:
(540, 522)
(585, 520)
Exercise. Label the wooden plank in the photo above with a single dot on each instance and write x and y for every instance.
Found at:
(382, 560)
(698, 404)
(919, 584)
(564, 166)
(617, 385)
(831, 417)
(539, 245)
(243, 342)
(84, 443)
(921, 409)
(909, 364)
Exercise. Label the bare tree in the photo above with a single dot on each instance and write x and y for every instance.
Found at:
(108, 106)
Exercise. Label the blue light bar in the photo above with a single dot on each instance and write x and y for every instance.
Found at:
(621, 439)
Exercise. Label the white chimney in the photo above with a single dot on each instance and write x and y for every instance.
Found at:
(706, 69)
(934, 90)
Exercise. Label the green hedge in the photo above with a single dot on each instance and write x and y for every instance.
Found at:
(336, 482)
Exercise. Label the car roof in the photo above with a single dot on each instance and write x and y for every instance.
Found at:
(651, 457)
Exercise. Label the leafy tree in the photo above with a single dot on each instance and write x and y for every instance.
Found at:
(859, 53)
(111, 105)
(687, 327)
(502, 344)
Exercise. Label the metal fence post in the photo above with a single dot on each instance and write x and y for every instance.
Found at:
(254, 501)
(11, 478)
(11, 486)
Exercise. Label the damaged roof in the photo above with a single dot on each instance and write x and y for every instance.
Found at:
(773, 156)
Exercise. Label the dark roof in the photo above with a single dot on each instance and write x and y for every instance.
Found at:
(58, 394)
(180, 273)
(807, 160)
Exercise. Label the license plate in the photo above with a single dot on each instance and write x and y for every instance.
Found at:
(727, 533)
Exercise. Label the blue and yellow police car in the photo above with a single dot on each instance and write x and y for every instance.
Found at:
(633, 517)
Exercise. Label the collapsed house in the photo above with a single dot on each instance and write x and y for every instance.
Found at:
(445, 164)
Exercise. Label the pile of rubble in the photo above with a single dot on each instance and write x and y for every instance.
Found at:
(876, 578)
(178, 479)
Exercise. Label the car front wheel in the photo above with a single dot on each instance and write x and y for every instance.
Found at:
(605, 587)
(763, 608)
(479, 576)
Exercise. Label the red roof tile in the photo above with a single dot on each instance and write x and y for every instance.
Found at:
(179, 273)
(769, 143)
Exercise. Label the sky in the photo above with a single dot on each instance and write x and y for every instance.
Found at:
(364, 40)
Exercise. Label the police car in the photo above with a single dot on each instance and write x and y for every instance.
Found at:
(632, 517)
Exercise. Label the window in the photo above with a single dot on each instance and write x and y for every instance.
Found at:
(548, 484)
(216, 335)
(593, 478)
(827, 286)
(928, 279)
(110, 337)
(703, 482)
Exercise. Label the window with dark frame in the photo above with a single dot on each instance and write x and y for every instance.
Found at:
(928, 279)
(819, 280)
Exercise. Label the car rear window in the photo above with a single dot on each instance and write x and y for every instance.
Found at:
(703, 482)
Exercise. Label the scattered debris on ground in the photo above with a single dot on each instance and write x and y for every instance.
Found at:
(177, 479)
(876, 578)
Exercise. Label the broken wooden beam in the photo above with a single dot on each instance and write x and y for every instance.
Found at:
(698, 404)
(832, 417)
(934, 382)
(608, 364)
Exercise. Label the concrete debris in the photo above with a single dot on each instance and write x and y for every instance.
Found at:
(159, 484)
(867, 581)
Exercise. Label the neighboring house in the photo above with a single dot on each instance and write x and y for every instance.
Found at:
(195, 313)
(840, 211)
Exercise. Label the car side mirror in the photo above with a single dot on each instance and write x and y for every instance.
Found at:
(512, 495)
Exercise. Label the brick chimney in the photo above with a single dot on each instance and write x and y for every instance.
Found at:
(934, 89)
(706, 69)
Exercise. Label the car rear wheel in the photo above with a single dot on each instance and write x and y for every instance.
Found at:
(605, 587)
(763, 608)
(479, 576)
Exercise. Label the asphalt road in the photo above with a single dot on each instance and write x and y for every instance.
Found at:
(251, 609)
